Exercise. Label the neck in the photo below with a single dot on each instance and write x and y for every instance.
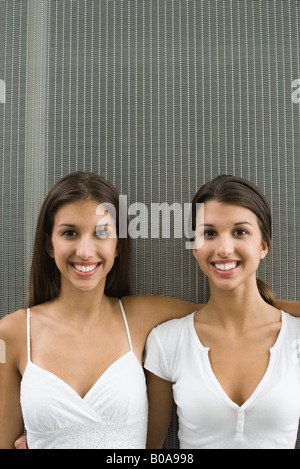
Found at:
(237, 308)
(77, 306)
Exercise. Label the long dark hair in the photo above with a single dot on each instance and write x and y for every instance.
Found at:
(44, 274)
(237, 191)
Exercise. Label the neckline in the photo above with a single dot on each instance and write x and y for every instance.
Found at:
(69, 387)
(213, 377)
(29, 361)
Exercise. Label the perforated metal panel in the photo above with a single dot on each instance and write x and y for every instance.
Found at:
(158, 96)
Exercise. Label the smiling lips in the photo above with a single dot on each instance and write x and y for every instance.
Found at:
(85, 269)
(227, 267)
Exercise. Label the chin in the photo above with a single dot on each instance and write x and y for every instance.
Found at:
(226, 285)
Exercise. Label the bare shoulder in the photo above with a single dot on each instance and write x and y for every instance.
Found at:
(151, 310)
(13, 335)
(13, 324)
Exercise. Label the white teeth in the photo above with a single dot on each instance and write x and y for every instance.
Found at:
(83, 268)
(226, 266)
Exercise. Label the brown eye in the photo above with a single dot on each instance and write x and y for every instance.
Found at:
(69, 234)
(209, 233)
(241, 232)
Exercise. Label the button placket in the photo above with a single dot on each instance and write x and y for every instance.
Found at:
(240, 424)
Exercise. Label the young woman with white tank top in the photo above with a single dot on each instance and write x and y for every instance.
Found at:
(76, 352)
(232, 367)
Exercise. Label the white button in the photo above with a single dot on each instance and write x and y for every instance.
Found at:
(240, 422)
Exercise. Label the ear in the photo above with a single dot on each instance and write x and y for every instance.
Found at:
(49, 247)
(264, 250)
(195, 252)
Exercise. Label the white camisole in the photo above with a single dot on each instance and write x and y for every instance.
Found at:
(208, 418)
(113, 413)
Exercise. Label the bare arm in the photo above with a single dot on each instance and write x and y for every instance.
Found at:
(11, 421)
(152, 310)
(292, 307)
(161, 404)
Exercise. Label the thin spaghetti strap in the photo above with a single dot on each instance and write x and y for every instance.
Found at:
(28, 334)
(126, 324)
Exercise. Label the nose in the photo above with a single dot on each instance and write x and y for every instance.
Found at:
(85, 248)
(225, 246)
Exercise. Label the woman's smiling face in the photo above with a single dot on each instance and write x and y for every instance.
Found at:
(228, 244)
(83, 244)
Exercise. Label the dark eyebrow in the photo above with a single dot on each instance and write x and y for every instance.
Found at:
(68, 225)
(243, 223)
(100, 225)
(235, 224)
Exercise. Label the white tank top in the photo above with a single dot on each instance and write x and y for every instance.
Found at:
(113, 414)
(208, 418)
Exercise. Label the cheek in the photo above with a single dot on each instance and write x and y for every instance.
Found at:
(63, 248)
(254, 250)
(252, 256)
(57, 249)
(109, 250)
(201, 255)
